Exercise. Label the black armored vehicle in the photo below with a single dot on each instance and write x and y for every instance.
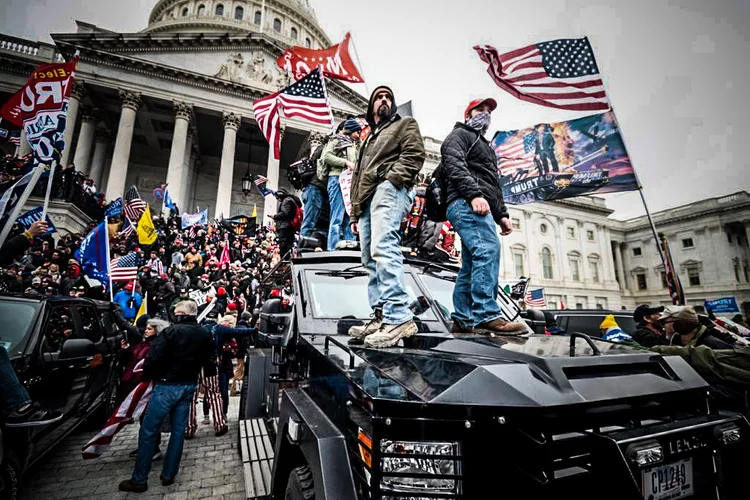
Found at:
(467, 417)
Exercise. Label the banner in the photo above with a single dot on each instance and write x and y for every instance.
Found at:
(145, 228)
(41, 108)
(199, 296)
(674, 285)
(515, 288)
(92, 254)
(114, 209)
(197, 219)
(552, 161)
(240, 225)
(335, 60)
(725, 305)
(33, 215)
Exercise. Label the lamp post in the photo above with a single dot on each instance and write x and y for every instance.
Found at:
(247, 179)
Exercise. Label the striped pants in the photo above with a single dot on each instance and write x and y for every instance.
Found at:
(211, 390)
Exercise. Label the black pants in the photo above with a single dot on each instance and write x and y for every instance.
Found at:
(286, 240)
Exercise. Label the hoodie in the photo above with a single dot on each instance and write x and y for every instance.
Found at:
(394, 152)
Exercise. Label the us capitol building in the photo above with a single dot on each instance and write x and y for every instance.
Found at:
(174, 103)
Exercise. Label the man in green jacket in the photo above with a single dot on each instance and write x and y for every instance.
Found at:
(340, 154)
(388, 164)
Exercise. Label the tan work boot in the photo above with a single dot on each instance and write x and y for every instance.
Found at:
(499, 325)
(372, 326)
(388, 335)
(457, 328)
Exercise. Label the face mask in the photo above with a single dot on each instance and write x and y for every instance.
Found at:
(480, 122)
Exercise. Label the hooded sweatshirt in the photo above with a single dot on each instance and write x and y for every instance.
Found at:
(394, 152)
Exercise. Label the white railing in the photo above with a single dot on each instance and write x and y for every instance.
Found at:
(12, 45)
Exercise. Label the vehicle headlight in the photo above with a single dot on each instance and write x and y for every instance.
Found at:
(419, 467)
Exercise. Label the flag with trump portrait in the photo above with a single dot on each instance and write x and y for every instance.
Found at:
(552, 161)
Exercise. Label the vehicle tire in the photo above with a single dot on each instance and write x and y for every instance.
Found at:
(300, 485)
(10, 478)
(108, 406)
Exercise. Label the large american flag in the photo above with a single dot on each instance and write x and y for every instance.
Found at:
(306, 99)
(535, 298)
(124, 268)
(559, 74)
(15, 139)
(518, 152)
(134, 205)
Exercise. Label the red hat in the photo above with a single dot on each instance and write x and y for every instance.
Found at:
(221, 291)
(478, 102)
(129, 286)
(232, 306)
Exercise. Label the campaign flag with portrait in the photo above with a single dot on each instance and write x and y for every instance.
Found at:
(552, 161)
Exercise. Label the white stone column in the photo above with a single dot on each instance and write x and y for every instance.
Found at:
(621, 267)
(226, 173)
(77, 93)
(176, 174)
(270, 203)
(188, 165)
(101, 144)
(82, 158)
(118, 171)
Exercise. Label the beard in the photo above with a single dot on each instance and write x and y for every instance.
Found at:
(383, 111)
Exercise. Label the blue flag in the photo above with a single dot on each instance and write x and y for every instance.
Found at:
(93, 254)
(114, 209)
(33, 215)
(168, 201)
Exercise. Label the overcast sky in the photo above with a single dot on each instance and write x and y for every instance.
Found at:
(676, 71)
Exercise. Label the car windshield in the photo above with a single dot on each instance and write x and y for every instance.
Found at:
(343, 294)
(17, 321)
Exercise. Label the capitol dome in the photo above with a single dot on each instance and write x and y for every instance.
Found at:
(291, 22)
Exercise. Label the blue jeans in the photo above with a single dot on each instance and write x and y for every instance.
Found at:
(12, 394)
(339, 217)
(167, 399)
(379, 235)
(475, 293)
(312, 202)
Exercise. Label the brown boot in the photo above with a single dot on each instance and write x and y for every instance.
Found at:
(457, 328)
(499, 325)
(129, 485)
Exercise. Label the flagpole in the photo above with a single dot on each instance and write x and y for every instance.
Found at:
(359, 63)
(635, 173)
(19, 206)
(109, 267)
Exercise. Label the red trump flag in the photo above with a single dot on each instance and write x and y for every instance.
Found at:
(335, 60)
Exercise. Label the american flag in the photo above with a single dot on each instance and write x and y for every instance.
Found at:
(124, 268)
(260, 180)
(134, 205)
(558, 74)
(518, 152)
(535, 298)
(127, 228)
(306, 99)
(15, 139)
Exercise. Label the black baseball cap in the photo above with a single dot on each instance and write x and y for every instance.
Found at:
(644, 310)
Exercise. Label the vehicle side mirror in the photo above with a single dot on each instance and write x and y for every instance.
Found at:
(77, 348)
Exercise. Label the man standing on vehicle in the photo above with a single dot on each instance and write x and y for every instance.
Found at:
(388, 163)
(475, 205)
(174, 362)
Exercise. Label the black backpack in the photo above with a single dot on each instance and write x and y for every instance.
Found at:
(436, 197)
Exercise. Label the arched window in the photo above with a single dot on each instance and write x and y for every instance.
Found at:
(277, 25)
(201, 10)
(258, 17)
(294, 33)
(220, 10)
(185, 12)
(307, 43)
(239, 13)
(547, 264)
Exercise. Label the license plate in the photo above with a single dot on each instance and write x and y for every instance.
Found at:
(668, 481)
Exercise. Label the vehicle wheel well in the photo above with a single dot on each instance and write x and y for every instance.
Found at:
(288, 458)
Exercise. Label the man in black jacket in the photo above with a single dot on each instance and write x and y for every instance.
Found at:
(650, 333)
(173, 362)
(287, 210)
(684, 322)
(475, 204)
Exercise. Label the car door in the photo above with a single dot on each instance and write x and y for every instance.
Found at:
(101, 361)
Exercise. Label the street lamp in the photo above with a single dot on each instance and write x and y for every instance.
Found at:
(247, 180)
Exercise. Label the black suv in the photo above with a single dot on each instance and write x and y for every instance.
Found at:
(65, 352)
(470, 416)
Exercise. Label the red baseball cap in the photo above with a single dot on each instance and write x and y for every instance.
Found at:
(478, 102)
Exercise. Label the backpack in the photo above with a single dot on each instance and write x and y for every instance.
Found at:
(436, 197)
(297, 221)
